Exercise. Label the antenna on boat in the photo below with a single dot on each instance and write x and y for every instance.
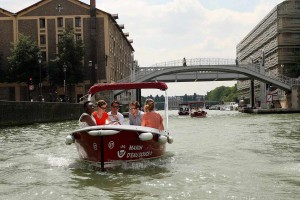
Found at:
(166, 111)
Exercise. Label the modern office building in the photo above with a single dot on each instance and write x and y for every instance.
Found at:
(109, 54)
(277, 39)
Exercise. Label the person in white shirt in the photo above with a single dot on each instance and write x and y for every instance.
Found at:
(86, 118)
(115, 116)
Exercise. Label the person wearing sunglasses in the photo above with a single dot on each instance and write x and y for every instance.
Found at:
(86, 118)
(101, 115)
(114, 115)
(135, 114)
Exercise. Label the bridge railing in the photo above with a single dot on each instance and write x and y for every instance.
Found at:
(197, 61)
(207, 61)
(285, 79)
(279, 77)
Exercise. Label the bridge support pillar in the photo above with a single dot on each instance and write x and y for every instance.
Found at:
(262, 98)
(252, 103)
(295, 97)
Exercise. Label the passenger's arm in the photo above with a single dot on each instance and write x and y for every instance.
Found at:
(88, 120)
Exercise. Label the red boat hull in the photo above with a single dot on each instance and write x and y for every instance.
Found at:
(199, 114)
(123, 146)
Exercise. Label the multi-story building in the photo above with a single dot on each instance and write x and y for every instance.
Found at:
(108, 51)
(277, 39)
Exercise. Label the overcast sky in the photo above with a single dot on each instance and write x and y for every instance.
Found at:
(166, 30)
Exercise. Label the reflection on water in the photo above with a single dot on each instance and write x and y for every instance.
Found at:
(227, 155)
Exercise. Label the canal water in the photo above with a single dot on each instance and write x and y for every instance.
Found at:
(228, 155)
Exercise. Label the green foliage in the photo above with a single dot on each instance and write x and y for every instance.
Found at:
(23, 63)
(70, 54)
(223, 94)
(2, 72)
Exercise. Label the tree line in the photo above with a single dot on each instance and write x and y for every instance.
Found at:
(220, 94)
(23, 63)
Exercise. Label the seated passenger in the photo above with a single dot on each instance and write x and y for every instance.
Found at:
(101, 115)
(150, 117)
(115, 116)
(86, 118)
(135, 114)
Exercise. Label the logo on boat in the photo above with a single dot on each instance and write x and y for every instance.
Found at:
(111, 144)
(95, 146)
(121, 153)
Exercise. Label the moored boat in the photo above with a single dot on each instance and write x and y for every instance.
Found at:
(107, 145)
(183, 109)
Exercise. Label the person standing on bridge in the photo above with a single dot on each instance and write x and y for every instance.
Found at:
(184, 62)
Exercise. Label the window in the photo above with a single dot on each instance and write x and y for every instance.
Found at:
(59, 38)
(78, 37)
(44, 56)
(77, 22)
(42, 23)
(60, 22)
(42, 39)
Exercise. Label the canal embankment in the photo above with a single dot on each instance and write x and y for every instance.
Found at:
(20, 113)
(269, 111)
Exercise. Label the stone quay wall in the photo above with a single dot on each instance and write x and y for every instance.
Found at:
(20, 113)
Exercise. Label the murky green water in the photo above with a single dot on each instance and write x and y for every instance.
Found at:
(228, 155)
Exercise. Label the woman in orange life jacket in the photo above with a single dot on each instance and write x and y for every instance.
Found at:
(101, 115)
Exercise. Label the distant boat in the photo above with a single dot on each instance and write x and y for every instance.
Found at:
(183, 109)
(214, 107)
(196, 109)
(228, 106)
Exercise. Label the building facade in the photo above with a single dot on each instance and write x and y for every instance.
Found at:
(108, 51)
(276, 40)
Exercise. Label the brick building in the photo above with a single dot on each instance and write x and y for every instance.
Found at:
(108, 51)
(277, 39)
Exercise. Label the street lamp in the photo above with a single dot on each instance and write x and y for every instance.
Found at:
(65, 77)
(40, 58)
(96, 70)
(91, 69)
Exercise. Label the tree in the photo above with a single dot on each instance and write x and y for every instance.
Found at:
(23, 63)
(223, 94)
(70, 54)
(2, 72)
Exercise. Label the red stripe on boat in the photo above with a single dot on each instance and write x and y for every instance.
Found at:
(127, 86)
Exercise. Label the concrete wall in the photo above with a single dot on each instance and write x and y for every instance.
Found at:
(296, 97)
(19, 113)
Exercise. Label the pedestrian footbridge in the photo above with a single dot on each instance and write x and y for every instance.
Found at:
(208, 69)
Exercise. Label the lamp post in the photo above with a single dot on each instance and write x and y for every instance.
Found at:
(65, 78)
(91, 69)
(40, 83)
(96, 71)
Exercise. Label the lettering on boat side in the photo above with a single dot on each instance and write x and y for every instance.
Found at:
(121, 153)
(111, 144)
(139, 155)
(135, 147)
(95, 146)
